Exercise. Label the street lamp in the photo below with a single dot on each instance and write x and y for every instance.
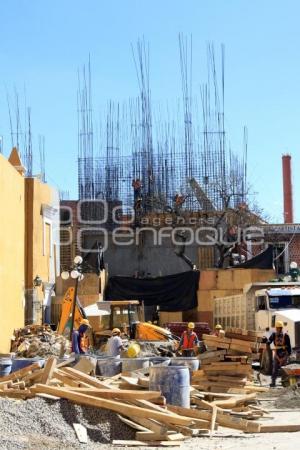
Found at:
(77, 275)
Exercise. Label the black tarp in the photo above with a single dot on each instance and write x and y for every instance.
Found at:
(93, 261)
(176, 292)
(263, 260)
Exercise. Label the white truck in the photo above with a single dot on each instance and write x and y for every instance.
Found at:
(260, 305)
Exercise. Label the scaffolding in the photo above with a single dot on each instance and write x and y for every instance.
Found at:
(156, 162)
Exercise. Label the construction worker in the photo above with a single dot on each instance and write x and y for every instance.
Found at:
(189, 340)
(80, 340)
(218, 329)
(281, 351)
(115, 343)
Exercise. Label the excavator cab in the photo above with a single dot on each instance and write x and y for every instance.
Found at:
(125, 314)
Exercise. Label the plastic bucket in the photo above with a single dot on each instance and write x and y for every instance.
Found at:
(5, 366)
(131, 364)
(191, 363)
(108, 366)
(173, 382)
(20, 363)
(133, 350)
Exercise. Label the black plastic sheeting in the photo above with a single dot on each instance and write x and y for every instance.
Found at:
(176, 292)
(263, 260)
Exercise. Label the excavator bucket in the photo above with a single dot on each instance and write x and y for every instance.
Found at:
(149, 332)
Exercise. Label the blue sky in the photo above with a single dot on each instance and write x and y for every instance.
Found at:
(43, 43)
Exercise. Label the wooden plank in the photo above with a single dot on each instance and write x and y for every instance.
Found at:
(119, 407)
(279, 428)
(69, 380)
(48, 370)
(66, 363)
(151, 425)
(225, 420)
(232, 402)
(150, 436)
(124, 443)
(20, 373)
(117, 393)
(207, 355)
(132, 424)
(84, 377)
(213, 419)
(81, 433)
(217, 339)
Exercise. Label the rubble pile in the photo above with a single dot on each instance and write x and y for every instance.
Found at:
(39, 341)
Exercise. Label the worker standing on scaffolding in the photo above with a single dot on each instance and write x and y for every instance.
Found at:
(137, 192)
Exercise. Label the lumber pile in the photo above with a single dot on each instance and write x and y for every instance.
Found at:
(39, 340)
(227, 363)
(155, 423)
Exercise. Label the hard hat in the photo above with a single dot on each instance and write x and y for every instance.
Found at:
(116, 330)
(191, 325)
(218, 327)
(279, 324)
(85, 322)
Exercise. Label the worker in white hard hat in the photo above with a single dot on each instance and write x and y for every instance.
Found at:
(115, 343)
(281, 351)
(189, 341)
(218, 329)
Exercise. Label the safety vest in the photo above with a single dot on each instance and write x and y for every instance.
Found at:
(84, 343)
(279, 341)
(188, 340)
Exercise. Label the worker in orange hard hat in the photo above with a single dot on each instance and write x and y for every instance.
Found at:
(189, 341)
(80, 340)
(281, 351)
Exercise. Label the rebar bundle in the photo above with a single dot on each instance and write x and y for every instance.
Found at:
(156, 161)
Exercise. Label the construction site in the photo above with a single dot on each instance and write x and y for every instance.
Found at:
(160, 306)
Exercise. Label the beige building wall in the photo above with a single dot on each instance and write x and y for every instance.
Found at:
(41, 243)
(12, 233)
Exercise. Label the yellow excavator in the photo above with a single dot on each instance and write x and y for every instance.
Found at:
(128, 315)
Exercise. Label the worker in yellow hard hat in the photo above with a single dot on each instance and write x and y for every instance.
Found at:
(218, 329)
(80, 339)
(115, 343)
(189, 340)
(281, 350)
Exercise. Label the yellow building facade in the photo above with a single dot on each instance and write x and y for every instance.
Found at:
(29, 241)
(12, 267)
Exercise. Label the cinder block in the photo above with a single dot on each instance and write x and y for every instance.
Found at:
(208, 279)
(225, 279)
(204, 300)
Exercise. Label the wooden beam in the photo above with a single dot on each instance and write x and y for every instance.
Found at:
(146, 443)
(120, 394)
(20, 373)
(118, 407)
(85, 378)
(279, 428)
(223, 419)
(48, 370)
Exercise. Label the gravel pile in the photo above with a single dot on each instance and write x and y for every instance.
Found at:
(40, 424)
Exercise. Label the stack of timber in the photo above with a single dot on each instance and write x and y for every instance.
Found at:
(237, 342)
(227, 363)
(155, 422)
